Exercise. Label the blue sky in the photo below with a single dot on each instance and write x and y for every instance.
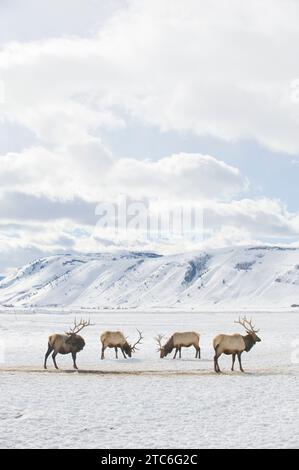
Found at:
(149, 100)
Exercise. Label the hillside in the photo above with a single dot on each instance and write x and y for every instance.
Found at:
(242, 277)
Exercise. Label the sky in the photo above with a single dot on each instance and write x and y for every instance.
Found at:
(113, 108)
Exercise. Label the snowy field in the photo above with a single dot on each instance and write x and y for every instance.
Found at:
(145, 401)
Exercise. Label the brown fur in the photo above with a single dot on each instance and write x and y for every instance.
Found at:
(168, 347)
(249, 342)
(179, 340)
(233, 345)
(117, 340)
(64, 344)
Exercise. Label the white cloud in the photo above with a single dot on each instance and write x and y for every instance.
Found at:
(58, 175)
(224, 224)
(218, 68)
(259, 218)
(181, 176)
(224, 69)
(88, 170)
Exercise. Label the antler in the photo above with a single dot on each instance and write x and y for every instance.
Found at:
(137, 342)
(159, 341)
(247, 324)
(78, 326)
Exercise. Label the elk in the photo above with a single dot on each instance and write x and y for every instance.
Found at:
(235, 344)
(177, 341)
(116, 339)
(70, 342)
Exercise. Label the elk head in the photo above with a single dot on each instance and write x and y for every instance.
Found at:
(131, 349)
(76, 341)
(250, 329)
(161, 348)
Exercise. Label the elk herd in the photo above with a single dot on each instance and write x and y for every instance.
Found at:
(71, 343)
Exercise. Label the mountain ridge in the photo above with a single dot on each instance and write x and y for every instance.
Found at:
(242, 277)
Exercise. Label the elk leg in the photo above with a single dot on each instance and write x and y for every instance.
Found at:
(50, 349)
(233, 362)
(197, 352)
(176, 350)
(103, 350)
(239, 358)
(123, 353)
(216, 365)
(180, 351)
(74, 355)
(54, 360)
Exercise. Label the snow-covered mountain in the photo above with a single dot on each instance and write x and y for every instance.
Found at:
(260, 277)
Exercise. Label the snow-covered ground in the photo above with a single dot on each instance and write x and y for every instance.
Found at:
(145, 401)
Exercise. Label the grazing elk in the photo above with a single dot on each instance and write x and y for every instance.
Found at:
(235, 344)
(70, 342)
(178, 341)
(116, 339)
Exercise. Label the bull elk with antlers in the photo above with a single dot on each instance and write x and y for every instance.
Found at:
(235, 344)
(116, 339)
(68, 343)
(177, 341)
